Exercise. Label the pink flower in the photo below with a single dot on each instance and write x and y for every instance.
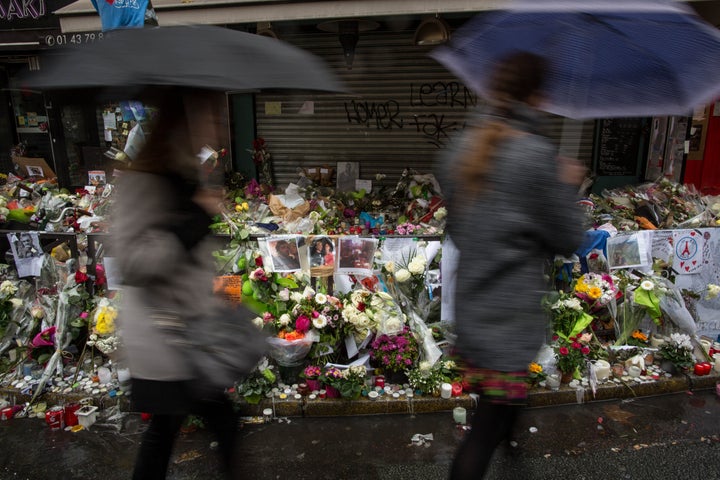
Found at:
(46, 338)
(585, 350)
(564, 351)
(302, 324)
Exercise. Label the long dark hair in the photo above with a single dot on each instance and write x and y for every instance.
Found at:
(518, 78)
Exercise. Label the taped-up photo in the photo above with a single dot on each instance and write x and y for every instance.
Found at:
(321, 252)
(625, 251)
(284, 254)
(27, 252)
(355, 255)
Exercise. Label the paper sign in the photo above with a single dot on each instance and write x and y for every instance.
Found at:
(112, 273)
(96, 177)
(108, 136)
(39, 165)
(109, 121)
(273, 108)
(308, 108)
(363, 185)
(689, 246)
(228, 287)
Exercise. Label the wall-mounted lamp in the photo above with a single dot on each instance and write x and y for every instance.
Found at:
(265, 29)
(348, 33)
(432, 31)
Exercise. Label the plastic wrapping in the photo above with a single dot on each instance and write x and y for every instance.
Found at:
(291, 353)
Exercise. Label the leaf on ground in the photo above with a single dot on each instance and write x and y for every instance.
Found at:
(187, 456)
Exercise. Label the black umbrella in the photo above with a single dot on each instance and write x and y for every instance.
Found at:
(205, 57)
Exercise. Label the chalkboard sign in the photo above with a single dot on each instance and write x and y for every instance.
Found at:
(618, 145)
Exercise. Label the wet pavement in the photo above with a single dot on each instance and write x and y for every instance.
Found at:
(674, 436)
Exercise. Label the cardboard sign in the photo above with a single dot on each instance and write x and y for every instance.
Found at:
(34, 167)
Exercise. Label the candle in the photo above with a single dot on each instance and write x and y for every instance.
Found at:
(456, 389)
(634, 371)
(322, 393)
(459, 415)
(445, 390)
(602, 370)
(380, 381)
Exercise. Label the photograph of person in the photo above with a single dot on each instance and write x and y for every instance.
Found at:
(355, 255)
(347, 173)
(27, 245)
(284, 254)
(321, 252)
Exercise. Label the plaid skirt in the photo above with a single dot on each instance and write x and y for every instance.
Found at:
(505, 388)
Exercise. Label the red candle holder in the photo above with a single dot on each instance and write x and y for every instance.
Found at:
(380, 381)
(457, 389)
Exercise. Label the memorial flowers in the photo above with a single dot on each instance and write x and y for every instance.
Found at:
(103, 335)
(349, 382)
(678, 351)
(595, 289)
(367, 312)
(395, 353)
(571, 354)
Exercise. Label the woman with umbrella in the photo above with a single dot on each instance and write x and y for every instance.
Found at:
(511, 205)
(160, 229)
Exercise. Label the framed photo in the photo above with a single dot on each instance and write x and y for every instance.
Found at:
(347, 173)
(27, 252)
(356, 255)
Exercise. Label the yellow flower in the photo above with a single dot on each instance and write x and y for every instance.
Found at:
(535, 368)
(105, 320)
(581, 287)
(594, 293)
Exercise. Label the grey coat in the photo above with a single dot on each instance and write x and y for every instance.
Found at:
(158, 272)
(504, 236)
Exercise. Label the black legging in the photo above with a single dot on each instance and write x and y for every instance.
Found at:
(157, 442)
(491, 424)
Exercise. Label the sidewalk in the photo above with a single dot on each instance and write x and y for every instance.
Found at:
(304, 407)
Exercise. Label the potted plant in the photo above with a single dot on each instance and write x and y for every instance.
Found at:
(676, 353)
(348, 382)
(395, 353)
(571, 354)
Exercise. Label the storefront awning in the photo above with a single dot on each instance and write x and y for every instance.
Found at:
(82, 17)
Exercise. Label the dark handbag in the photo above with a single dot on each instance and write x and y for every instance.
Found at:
(220, 347)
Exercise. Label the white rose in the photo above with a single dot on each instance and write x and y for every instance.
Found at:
(402, 275)
(258, 322)
(321, 299)
(417, 265)
(390, 266)
(440, 213)
(319, 322)
(285, 319)
(308, 292)
(284, 295)
(296, 297)
(712, 291)
(16, 302)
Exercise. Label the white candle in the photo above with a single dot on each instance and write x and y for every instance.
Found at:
(460, 415)
(445, 390)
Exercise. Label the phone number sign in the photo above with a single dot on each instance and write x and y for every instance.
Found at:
(61, 39)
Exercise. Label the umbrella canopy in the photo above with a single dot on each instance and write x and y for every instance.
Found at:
(609, 58)
(206, 57)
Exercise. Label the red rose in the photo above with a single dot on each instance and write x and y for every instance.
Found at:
(564, 351)
(80, 277)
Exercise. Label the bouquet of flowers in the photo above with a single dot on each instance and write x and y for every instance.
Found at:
(103, 335)
(571, 354)
(396, 352)
(595, 289)
(567, 314)
(678, 350)
(367, 312)
(536, 374)
(349, 382)
(427, 377)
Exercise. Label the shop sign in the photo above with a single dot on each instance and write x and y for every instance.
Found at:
(30, 14)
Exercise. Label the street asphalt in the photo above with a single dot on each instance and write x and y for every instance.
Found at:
(674, 436)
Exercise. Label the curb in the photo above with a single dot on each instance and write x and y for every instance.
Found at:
(537, 397)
